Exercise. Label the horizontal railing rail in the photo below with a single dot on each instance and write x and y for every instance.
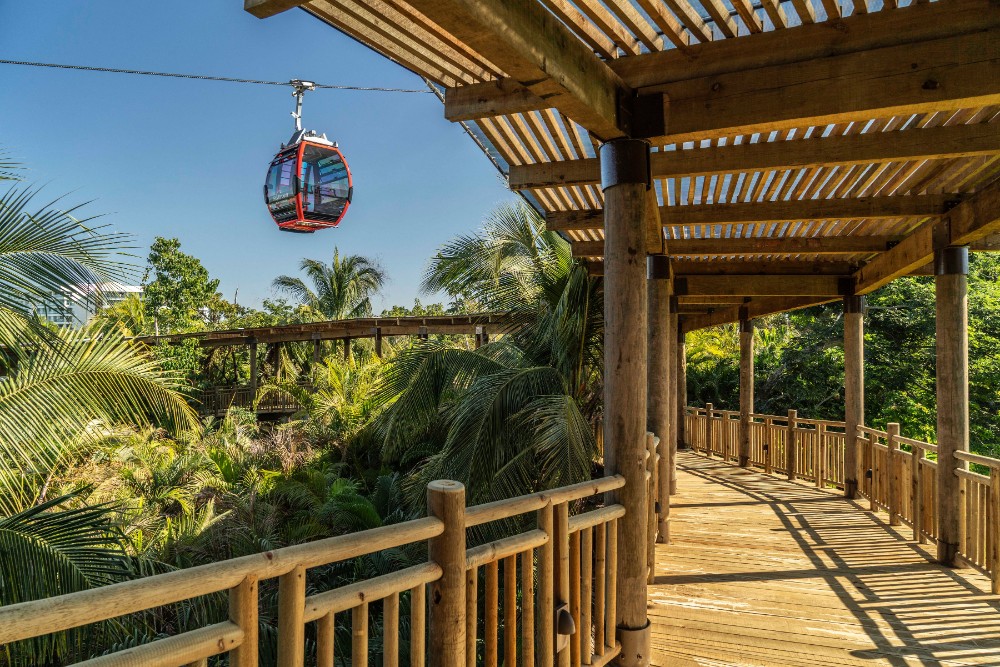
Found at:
(547, 589)
(900, 474)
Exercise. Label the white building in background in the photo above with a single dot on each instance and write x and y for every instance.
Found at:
(77, 304)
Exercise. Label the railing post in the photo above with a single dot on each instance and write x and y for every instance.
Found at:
(895, 475)
(562, 579)
(820, 462)
(709, 431)
(291, 618)
(446, 501)
(872, 473)
(916, 493)
(546, 590)
(994, 518)
(790, 453)
(243, 612)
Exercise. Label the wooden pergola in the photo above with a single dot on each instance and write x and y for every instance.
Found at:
(763, 155)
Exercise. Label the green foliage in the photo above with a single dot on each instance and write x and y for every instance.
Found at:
(337, 290)
(176, 287)
(799, 359)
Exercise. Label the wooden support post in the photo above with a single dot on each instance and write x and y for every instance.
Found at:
(791, 453)
(546, 590)
(680, 371)
(422, 333)
(378, 342)
(676, 417)
(291, 614)
(895, 475)
(253, 369)
(316, 352)
(347, 350)
(658, 407)
(652, 443)
(854, 389)
(243, 612)
(746, 387)
(625, 182)
(446, 501)
(951, 268)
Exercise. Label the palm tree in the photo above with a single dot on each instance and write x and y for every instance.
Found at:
(61, 392)
(519, 413)
(340, 290)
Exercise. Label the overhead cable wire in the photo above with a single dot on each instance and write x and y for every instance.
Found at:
(207, 77)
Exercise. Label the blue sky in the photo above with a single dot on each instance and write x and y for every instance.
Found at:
(181, 158)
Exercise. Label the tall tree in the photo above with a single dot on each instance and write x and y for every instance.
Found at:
(176, 286)
(339, 290)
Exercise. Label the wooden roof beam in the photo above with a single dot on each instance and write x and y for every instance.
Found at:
(542, 55)
(971, 222)
(790, 245)
(917, 144)
(752, 308)
(960, 71)
(916, 206)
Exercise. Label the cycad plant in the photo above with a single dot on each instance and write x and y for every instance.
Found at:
(518, 414)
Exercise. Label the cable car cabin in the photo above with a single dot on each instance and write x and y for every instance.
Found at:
(308, 185)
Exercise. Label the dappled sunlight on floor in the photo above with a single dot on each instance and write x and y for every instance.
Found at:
(766, 572)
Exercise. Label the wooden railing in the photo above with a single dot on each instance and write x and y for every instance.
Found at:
(557, 580)
(218, 400)
(900, 474)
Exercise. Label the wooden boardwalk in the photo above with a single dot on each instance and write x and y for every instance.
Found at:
(762, 571)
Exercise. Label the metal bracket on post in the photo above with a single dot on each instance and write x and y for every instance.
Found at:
(658, 267)
(625, 161)
(855, 304)
(952, 260)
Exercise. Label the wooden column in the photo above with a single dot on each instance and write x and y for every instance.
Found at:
(854, 389)
(446, 501)
(746, 387)
(658, 407)
(253, 368)
(347, 350)
(378, 342)
(677, 415)
(316, 353)
(625, 181)
(951, 268)
(680, 370)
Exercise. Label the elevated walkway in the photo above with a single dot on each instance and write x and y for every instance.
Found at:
(762, 571)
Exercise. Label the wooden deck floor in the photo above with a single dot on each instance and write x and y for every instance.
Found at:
(762, 571)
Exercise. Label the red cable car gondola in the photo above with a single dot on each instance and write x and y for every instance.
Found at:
(308, 184)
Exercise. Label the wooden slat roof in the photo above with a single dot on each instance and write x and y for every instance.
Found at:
(792, 106)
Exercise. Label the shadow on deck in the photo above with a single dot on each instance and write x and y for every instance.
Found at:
(762, 571)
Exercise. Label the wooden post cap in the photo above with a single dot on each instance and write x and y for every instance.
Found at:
(446, 486)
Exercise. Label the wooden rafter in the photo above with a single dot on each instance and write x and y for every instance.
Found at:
(974, 220)
(942, 142)
(772, 211)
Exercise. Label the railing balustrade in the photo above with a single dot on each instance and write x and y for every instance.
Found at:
(556, 581)
(898, 475)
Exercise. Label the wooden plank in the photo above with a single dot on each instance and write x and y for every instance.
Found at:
(833, 245)
(537, 50)
(919, 144)
(772, 211)
(759, 285)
